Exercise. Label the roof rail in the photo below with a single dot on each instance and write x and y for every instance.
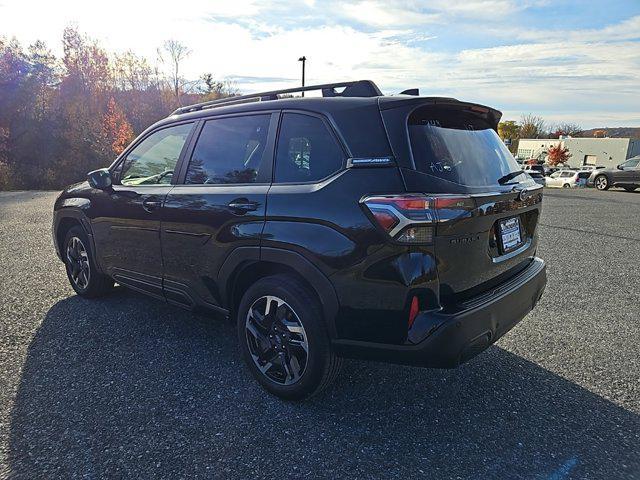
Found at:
(359, 88)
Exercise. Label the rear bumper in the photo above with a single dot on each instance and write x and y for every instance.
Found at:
(453, 337)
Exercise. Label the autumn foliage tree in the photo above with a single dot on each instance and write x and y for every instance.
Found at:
(116, 129)
(62, 117)
(510, 130)
(558, 154)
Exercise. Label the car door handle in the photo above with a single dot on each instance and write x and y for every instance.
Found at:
(243, 205)
(150, 204)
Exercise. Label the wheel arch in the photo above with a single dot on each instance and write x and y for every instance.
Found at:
(64, 220)
(245, 265)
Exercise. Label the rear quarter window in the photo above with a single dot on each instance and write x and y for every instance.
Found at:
(307, 150)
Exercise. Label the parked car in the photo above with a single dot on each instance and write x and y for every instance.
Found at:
(625, 175)
(546, 170)
(533, 168)
(563, 179)
(304, 220)
(583, 178)
(537, 177)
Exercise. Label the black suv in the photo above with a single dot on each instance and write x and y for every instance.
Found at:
(395, 228)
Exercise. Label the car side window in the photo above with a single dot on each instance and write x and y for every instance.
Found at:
(229, 150)
(307, 151)
(555, 174)
(153, 160)
(630, 164)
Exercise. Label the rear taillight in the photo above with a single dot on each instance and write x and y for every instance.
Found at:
(412, 218)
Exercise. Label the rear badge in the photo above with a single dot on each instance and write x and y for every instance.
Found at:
(370, 162)
(464, 240)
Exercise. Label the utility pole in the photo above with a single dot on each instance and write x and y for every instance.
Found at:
(303, 59)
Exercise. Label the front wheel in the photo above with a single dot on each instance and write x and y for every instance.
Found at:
(283, 338)
(602, 182)
(81, 267)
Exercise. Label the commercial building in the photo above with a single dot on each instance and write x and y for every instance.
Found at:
(607, 152)
(535, 148)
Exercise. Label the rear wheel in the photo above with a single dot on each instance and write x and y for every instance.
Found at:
(81, 267)
(601, 182)
(283, 338)
(566, 185)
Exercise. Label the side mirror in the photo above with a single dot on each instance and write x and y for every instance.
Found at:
(620, 167)
(100, 179)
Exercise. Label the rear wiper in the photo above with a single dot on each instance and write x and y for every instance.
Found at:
(509, 176)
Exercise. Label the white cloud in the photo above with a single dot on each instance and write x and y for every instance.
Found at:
(482, 8)
(628, 29)
(384, 14)
(379, 13)
(555, 73)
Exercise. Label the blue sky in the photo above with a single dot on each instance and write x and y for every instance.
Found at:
(575, 61)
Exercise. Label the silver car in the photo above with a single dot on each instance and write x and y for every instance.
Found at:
(625, 175)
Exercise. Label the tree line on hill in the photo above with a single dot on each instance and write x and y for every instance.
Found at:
(62, 117)
(533, 126)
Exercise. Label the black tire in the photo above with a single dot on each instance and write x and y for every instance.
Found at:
(601, 182)
(566, 185)
(630, 189)
(96, 284)
(321, 364)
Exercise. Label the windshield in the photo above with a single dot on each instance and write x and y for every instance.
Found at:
(460, 146)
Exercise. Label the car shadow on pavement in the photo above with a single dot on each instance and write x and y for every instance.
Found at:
(127, 386)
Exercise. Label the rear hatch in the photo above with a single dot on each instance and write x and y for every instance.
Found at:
(486, 229)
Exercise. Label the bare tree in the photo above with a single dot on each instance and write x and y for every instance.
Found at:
(131, 72)
(532, 126)
(173, 53)
(571, 129)
(213, 89)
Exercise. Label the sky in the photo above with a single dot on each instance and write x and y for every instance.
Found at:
(565, 60)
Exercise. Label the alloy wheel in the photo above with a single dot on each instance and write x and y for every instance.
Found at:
(601, 183)
(78, 263)
(277, 340)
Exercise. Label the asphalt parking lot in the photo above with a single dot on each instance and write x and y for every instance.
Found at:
(128, 387)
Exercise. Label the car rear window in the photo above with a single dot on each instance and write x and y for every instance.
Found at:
(460, 146)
